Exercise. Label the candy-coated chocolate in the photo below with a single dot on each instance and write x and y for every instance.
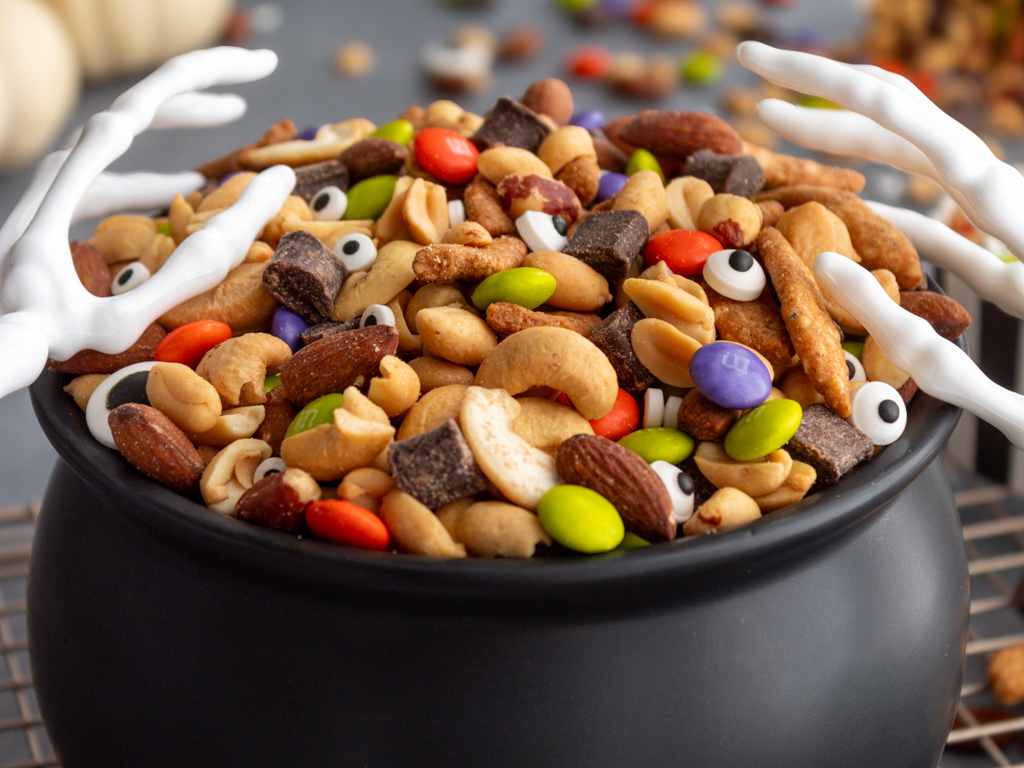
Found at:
(320, 411)
(590, 61)
(590, 119)
(685, 251)
(609, 185)
(344, 522)
(446, 154)
(526, 286)
(369, 198)
(288, 327)
(659, 444)
(701, 68)
(730, 375)
(400, 131)
(855, 348)
(622, 419)
(763, 430)
(271, 381)
(580, 519)
(188, 343)
(644, 160)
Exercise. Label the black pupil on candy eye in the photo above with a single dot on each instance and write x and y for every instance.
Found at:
(559, 224)
(685, 483)
(125, 277)
(851, 369)
(130, 389)
(371, 320)
(888, 411)
(741, 261)
(351, 247)
(321, 201)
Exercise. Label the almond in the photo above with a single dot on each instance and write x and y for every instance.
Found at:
(348, 359)
(155, 446)
(91, 269)
(946, 315)
(551, 97)
(622, 477)
(677, 135)
(279, 501)
(279, 414)
(91, 361)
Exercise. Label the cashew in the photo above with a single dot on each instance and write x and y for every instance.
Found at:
(877, 367)
(232, 424)
(391, 225)
(727, 508)
(330, 451)
(178, 216)
(561, 147)
(229, 474)
(329, 232)
(158, 252)
(397, 388)
(238, 366)
(498, 529)
(358, 404)
(294, 209)
(521, 472)
(240, 300)
(556, 358)
(734, 220)
(666, 300)
(123, 238)
(686, 195)
(644, 192)
(455, 335)
(801, 478)
(432, 295)
(365, 486)
(415, 528)
(434, 373)
(545, 424)
(664, 350)
(498, 162)
(432, 410)
(754, 478)
(408, 342)
(578, 286)
(425, 210)
(81, 387)
(189, 400)
(227, 193)
(390, 274)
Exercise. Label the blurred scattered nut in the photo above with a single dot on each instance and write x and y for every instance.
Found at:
(355, 59)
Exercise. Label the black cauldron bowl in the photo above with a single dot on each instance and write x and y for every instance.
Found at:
(831, 633)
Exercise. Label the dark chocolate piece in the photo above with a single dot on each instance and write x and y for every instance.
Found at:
(329, 328)
(704, 420)
(741, 175)
(510, 123)
(829, 444)
(436, 467)
(310, 179)
(373, 156)
(305, 276)
(608, 241)
(612, 337)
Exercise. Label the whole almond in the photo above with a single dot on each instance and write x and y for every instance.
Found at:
(348, 359)
(622, 477)
(279, 500)
(155, 446)
(676, 135)
(279, 413)
(91, 269)
(550, 97)
(947, 316)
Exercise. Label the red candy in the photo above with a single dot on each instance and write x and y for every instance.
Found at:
(343, 522)
(683, 250)
(445, 154)
(589, 62)
(188, 343)
(623, 418)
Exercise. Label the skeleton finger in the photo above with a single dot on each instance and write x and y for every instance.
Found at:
(199, 110)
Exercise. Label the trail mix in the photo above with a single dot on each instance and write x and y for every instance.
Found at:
(507, 334)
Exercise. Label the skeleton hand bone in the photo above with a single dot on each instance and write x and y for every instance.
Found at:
(47, 311)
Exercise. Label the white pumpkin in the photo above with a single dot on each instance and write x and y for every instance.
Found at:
(116, 37)
(39, 79)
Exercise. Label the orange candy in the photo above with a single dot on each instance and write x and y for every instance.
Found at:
(188, 343)
(446, 154)
(590, 62)
(344, 522)
(683, 250)
(623, 418)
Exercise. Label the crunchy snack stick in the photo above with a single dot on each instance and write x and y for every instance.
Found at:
(785, 170)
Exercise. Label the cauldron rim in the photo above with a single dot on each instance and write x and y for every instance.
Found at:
(786, 533)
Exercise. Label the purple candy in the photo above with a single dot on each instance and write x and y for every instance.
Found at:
(621, 8)
(591, 119)
(730, 375)
(288, 327)
(609, 185)
(309, 134)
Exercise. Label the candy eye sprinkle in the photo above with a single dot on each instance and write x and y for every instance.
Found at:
(456, 212)
(879, 412)
(328, 204)
(357, 252)
(377, 314)
(855, 367)
(272, 466)
(735, 274)
(672, 412)
(127, 385)
(680, 489)
(654, 407)
(542, 231)
(130, 276)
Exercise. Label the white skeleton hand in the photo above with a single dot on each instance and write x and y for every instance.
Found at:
(46, 310)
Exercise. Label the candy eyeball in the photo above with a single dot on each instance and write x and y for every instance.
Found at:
(328, 204)
(357, 252)
(127, 385)
(654, 407)
(272, 466)
(680, 489)
(129, 276)
(735, 274)
(878, 411)
(542, 231)
(377, 314)
(456, 212)
(855, 367)
(671, 419)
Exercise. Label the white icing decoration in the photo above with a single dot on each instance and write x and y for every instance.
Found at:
(672, 405)
(654, 407)
(47, 310)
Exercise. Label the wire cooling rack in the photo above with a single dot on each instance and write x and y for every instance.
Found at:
(993, 532)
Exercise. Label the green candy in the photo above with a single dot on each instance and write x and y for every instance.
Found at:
(580, 519)
(397, 130)
(164, 229)
(642, 160)
(702, 68)
(320, 411)
(763, 430)
(816, 102)
(855, 348)
(526, 286)
(632, 541)
(272, 380)
(369, 198)
(577, 6)
(656, 443)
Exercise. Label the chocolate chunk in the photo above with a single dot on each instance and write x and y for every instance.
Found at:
(609, 241)
(373, 156)
(329, 328)
(829, 444)
(612, 337)
(702, 419)
(305, 276)
(310, 179)
(436, 467)
(741, 176)
(510, 123)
